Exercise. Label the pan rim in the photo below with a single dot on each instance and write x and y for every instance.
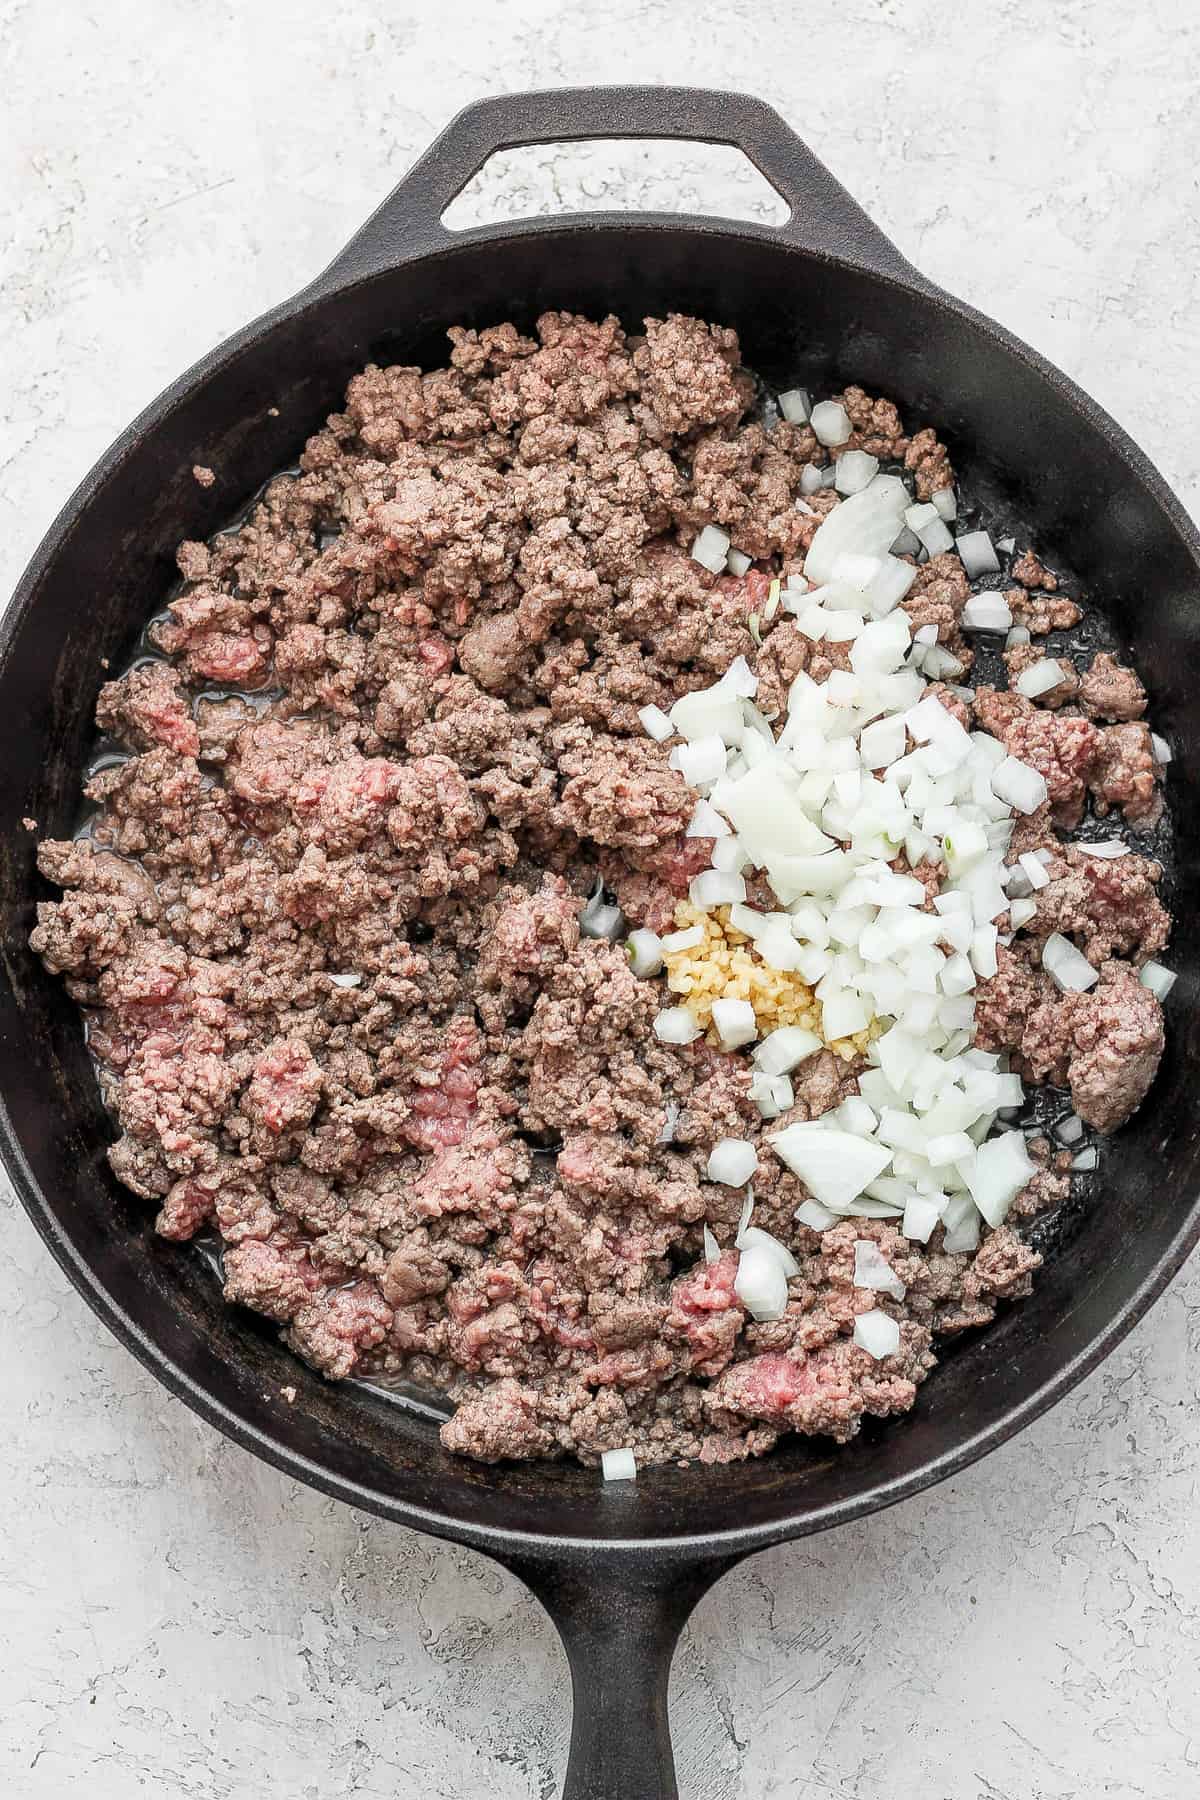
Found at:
(675, 1548)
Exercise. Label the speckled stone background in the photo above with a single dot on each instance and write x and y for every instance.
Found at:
(176, 1620)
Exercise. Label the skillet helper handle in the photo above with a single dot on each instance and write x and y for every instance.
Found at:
(823, 217)
(619, 1621)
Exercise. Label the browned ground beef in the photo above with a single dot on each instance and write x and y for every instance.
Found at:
(325, 925)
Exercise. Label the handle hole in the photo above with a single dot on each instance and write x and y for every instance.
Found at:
(616, 175)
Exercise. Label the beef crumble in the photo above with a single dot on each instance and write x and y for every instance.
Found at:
(325, 920)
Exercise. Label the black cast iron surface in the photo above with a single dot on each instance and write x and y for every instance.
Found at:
(825, 299)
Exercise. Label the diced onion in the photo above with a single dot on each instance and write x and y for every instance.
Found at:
(1069, 1130)
(618, 1465)
(772, 1094)
(702, 762)
(946, 503)
(978, 556)
(877, 1333)
(816, 1216)
(1034, 871)
(732, 1162)
(831, 423)
(706, 822)
(1018, 785)
(645, 952)
(781, 1050)
(1160, 747)
(655, 721)
(1108, 848)
(711, 548)
(1039, 678)
(1159, 979)
(1086, 1160)
(1020, 634)
(687, 939)
(349, 980)
(1021, 911)
(1068, 967)
(855, 471)
(812, 479)
(601, 919)
(835, 1166)
(735, 1023)
(675, 1025)
(712, 1250)
(715, 887)
(872, 1270)
(737, 562)
(754, 1234)
(987, 612)
(761, 1283)
(1002, 1167)
(795, 405)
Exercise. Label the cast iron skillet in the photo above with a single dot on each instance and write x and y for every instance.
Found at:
(826, 298)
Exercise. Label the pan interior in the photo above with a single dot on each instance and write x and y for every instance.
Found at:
(1024, 444)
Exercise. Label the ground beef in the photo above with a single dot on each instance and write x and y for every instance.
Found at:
(325, 921)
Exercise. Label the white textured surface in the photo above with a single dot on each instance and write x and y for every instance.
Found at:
(176, 1620)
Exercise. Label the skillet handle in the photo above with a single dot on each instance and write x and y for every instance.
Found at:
(823, 218)
(619, 1620)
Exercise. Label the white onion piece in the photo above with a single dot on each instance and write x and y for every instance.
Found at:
(735, 1022)
(1068, 967)
(936, 537)
(701, 763)
(946, 503)
(921, 1214)
(706, 822)
(732, 1162)
(618, 1465)
(348, 980)
(711, 548)
(1002, 1167)
(1160, 747)
(816, 1216)
(865, 524)
(1108, 848)
(987, 612)
(1006, 545)
(784, 1048)
(754, 1234)
(831, 423)
(713, 887)
(772, 1094)
(834, 1165)
(1159, 979)
(906, 544)
(1086, 1160)
(675, 1025)
(712, 1250)
(877, 1333)
(812, 479)
(873, 1271)
(600, 919)
(1020, 634)
(795, 405)
(761, 1283)
(855, 471)
(1018, 785)
(686, 939)
(645, 952)
(729, 857)
(1034, 871)
(1039, 678)
(655, 721)
(737, 562)
(1069, 1130)
(978, 556)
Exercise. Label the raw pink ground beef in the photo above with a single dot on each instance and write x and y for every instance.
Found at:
(325, 928)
